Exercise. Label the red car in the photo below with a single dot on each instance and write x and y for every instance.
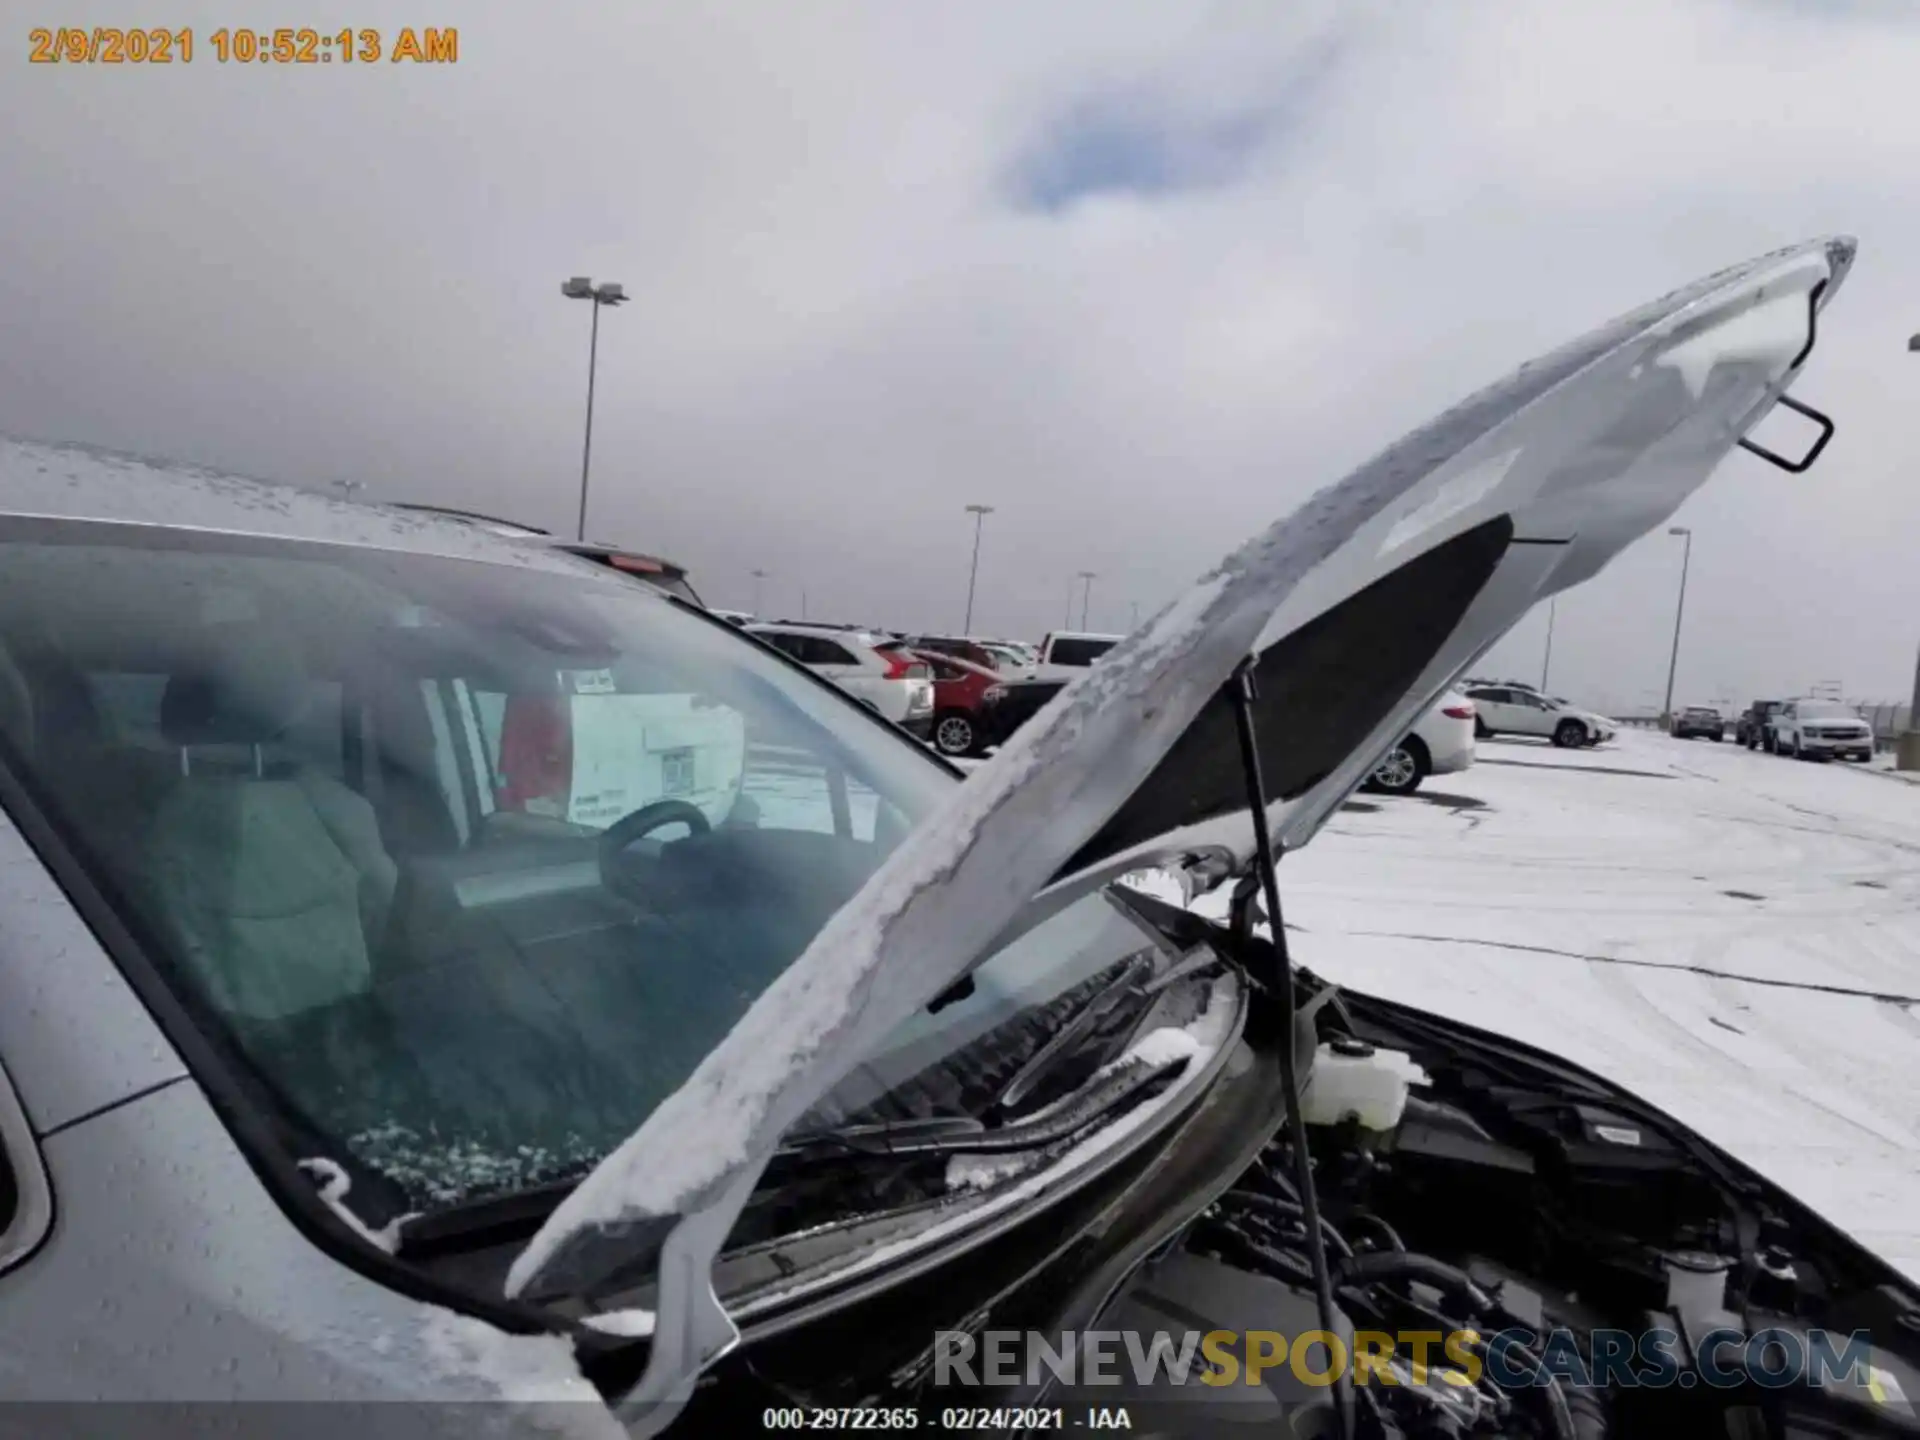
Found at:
(959, 696)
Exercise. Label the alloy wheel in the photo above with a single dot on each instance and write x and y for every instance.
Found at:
(954, 735)
(1399, 771)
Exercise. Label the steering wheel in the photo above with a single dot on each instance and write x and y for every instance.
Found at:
(628, 828)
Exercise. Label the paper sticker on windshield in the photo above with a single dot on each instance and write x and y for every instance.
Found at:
(592, 682)
(1617, 1134)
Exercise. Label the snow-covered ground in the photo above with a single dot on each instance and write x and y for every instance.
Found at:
(1734, 937)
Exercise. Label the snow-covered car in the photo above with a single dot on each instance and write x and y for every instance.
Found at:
(1440, 743)
(1511, 710)
(1814, 729)
(318, 1087)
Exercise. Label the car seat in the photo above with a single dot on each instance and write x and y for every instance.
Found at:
(270, 874)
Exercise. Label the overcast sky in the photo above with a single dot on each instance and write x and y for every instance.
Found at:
(1141, 276)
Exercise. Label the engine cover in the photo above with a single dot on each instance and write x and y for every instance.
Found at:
(1184, 1297)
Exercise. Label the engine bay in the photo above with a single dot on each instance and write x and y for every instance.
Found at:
(1515, 1250)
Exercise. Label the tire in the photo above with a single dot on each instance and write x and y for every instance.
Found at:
(1404, 767)
(1569, 734)
(1715, 738)
(1480, 730)
(954, 733)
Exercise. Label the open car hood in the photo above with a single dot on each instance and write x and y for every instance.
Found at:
(1356, 612)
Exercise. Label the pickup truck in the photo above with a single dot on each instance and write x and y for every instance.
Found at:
(1065, 653)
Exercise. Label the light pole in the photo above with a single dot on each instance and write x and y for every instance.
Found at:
(1067, 623)
(1087, 578)
(758, 576)
(1906, 755)
(581, 288)
(979, 513)
(1546, 661)
(1673, 660)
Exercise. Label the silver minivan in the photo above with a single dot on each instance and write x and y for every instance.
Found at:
(438, 973)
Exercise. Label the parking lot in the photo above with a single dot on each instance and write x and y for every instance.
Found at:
(1734, 936)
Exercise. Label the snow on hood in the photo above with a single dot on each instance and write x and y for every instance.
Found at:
(535, 1376)
(1356, 622)
(334, 1184)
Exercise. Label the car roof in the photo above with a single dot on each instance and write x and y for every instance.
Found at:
(616, 554)
(62, 481)
(474, 517)
(825, 632)
(1082, 635)
(520, 530)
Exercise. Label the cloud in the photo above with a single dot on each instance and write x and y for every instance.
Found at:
(1141, 276)
(1141, 143)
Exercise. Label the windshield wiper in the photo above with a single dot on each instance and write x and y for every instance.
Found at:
(1065, 1042)
(1060, 1121)
(889, 1137)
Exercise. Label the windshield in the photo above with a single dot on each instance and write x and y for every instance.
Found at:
(1826, 710)
(357, 806)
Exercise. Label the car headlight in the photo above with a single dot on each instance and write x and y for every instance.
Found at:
(993, 695)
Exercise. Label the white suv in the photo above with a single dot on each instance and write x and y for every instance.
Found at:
(1809, 729)
(1509, 709)
(867, 665)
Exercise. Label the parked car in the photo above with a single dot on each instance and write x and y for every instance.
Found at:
(1509, 710)
(320, 1084)
(869, 666)
(1440, 743)
(1065, 653)
(1017, 701)
(1016, 660)
(661, 574)
(963, 699)
(1699, 721)
(1752, 729)
(1812, 729)
(972, 651)
(1027, 652)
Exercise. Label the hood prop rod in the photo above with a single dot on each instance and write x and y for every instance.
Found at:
(1245, 692)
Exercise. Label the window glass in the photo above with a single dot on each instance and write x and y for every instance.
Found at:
(786, 644)
(1079, 651)
(443, 966)
(1827, 710)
